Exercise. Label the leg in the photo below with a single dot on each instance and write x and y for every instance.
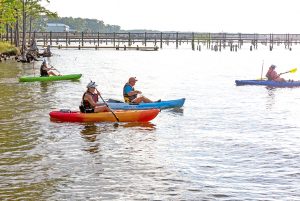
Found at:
(101, 109)
(142, 99)
(51, 73)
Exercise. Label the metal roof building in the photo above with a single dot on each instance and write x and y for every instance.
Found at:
(57, 27)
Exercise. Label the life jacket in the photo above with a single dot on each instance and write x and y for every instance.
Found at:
(43, 72)
(86, 104)
(127, 98)
(271, 74)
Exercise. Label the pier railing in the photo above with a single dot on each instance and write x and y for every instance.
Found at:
(195, 40)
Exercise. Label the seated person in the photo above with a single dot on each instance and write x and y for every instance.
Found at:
(46, 71)
(272, 75)
(131, 95)
(90, 99)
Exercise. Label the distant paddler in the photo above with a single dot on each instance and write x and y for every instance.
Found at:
(134, 96)
(46, 71)
(272, 74)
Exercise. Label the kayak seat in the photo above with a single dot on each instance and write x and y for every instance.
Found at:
(114, 101)
(133, 103)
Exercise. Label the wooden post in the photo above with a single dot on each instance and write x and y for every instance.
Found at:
(129, 41)
(66, 39)
(114, 39)
(82, 41)
(288, 40)
(50, 38)
(177, 40)
(193, 40)
(161, 40)
(145, 39)
(98, 37)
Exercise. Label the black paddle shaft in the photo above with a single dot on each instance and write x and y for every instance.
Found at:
(109, 108)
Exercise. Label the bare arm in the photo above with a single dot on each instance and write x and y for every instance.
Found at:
(134, 92)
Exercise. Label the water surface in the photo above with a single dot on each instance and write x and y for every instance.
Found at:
(226, 143)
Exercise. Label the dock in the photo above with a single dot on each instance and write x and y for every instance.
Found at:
(153, 41)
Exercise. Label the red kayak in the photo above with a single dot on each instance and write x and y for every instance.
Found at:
(123, 116)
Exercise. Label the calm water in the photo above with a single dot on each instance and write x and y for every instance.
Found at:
(226, 143)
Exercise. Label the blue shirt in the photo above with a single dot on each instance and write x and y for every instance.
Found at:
(128, 89)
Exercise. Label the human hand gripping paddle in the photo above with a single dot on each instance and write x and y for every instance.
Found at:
(55, 69)
(116, 124)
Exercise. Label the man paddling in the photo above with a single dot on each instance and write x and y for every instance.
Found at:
(131, 95)
(272, 75)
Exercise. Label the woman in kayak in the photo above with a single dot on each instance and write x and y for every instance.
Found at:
(89, 100)
(131, 95)
(46, 71)
(272, 75)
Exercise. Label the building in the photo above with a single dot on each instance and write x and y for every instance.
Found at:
(57, 27)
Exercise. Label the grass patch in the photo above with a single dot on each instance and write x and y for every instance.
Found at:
(8, 49)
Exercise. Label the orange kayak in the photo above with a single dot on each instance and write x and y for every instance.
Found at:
(123, 116)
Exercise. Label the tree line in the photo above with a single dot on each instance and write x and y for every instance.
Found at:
(27, 16)
(85, 25)
(20, 16)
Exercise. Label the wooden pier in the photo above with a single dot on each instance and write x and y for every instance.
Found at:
(155, 40)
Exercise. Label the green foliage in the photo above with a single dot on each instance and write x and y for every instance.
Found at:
(7, 48)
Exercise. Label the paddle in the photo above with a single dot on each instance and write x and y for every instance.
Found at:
(55, 69)
(290, 71)
(262, 69)
(116, 124)
(33, 68)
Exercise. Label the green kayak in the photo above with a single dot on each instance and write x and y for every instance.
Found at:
(50, 78)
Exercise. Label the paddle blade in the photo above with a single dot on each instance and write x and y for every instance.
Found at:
(293, 70)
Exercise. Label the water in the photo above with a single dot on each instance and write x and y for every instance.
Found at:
(226, 143)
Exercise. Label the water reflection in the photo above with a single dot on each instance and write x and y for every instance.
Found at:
(141, 126)
(270, 97)
(89, 132)
(44, 86)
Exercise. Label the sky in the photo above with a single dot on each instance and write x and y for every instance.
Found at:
(237, 16)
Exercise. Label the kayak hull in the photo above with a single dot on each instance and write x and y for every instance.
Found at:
(50, 78)
(267, 83)
(123, 116)
(145, 106)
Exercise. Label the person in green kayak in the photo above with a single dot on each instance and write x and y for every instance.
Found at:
(46, 71)
(134, 96)
(90, 98)
(272, 75)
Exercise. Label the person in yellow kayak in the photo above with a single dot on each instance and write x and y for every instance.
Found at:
(46, 71)
(272, 75)
(90, 98)
(134, 96)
